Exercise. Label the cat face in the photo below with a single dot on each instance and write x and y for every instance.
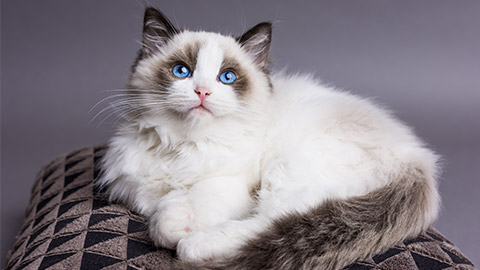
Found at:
(197, 77)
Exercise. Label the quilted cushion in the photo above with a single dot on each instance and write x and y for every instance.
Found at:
(71, 225)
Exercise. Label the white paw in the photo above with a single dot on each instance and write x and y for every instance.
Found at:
(170, 223)
(205, 246)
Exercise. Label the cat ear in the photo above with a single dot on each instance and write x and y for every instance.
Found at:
(256, 42)
(157, 30)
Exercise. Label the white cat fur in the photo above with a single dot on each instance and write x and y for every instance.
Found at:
(210, 182)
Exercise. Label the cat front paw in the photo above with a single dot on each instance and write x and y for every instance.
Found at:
(170, 224)
(204, 246)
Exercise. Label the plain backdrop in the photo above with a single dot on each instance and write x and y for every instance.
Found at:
(419, 58)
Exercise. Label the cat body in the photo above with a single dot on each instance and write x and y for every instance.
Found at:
(265, 171)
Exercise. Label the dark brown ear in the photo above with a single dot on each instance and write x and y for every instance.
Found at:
(256, 42)
(157, 30)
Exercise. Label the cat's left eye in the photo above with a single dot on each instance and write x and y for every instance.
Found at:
(181, 71)
(227, 77)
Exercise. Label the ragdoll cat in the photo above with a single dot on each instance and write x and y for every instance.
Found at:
(240, 169)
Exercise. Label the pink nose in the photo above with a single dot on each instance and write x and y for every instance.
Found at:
(202, 93)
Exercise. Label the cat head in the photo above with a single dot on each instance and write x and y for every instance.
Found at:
(198, 77)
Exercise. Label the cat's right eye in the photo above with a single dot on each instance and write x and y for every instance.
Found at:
(181, 71)
(227, 77)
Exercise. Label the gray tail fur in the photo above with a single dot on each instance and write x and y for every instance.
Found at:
(339, 232)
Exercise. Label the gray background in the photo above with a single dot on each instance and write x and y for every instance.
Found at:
(419, 58)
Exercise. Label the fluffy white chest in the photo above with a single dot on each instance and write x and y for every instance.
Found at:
(188, 162)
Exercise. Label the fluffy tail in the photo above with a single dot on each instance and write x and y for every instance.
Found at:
(339, 232)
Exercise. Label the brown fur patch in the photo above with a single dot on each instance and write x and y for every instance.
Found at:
(164, 77)
(186, 56)
(241, 86)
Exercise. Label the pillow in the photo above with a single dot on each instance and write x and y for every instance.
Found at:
(71, 225)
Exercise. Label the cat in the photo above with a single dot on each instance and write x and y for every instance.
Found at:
(238, 168)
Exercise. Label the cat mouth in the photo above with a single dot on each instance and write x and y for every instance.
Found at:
(200, 109)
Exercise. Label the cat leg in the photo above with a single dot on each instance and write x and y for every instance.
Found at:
(171, 220)
(207, 203)
(279, 195)
(223, 240)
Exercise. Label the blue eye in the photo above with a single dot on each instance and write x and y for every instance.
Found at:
(181, 71)
(227, 77)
